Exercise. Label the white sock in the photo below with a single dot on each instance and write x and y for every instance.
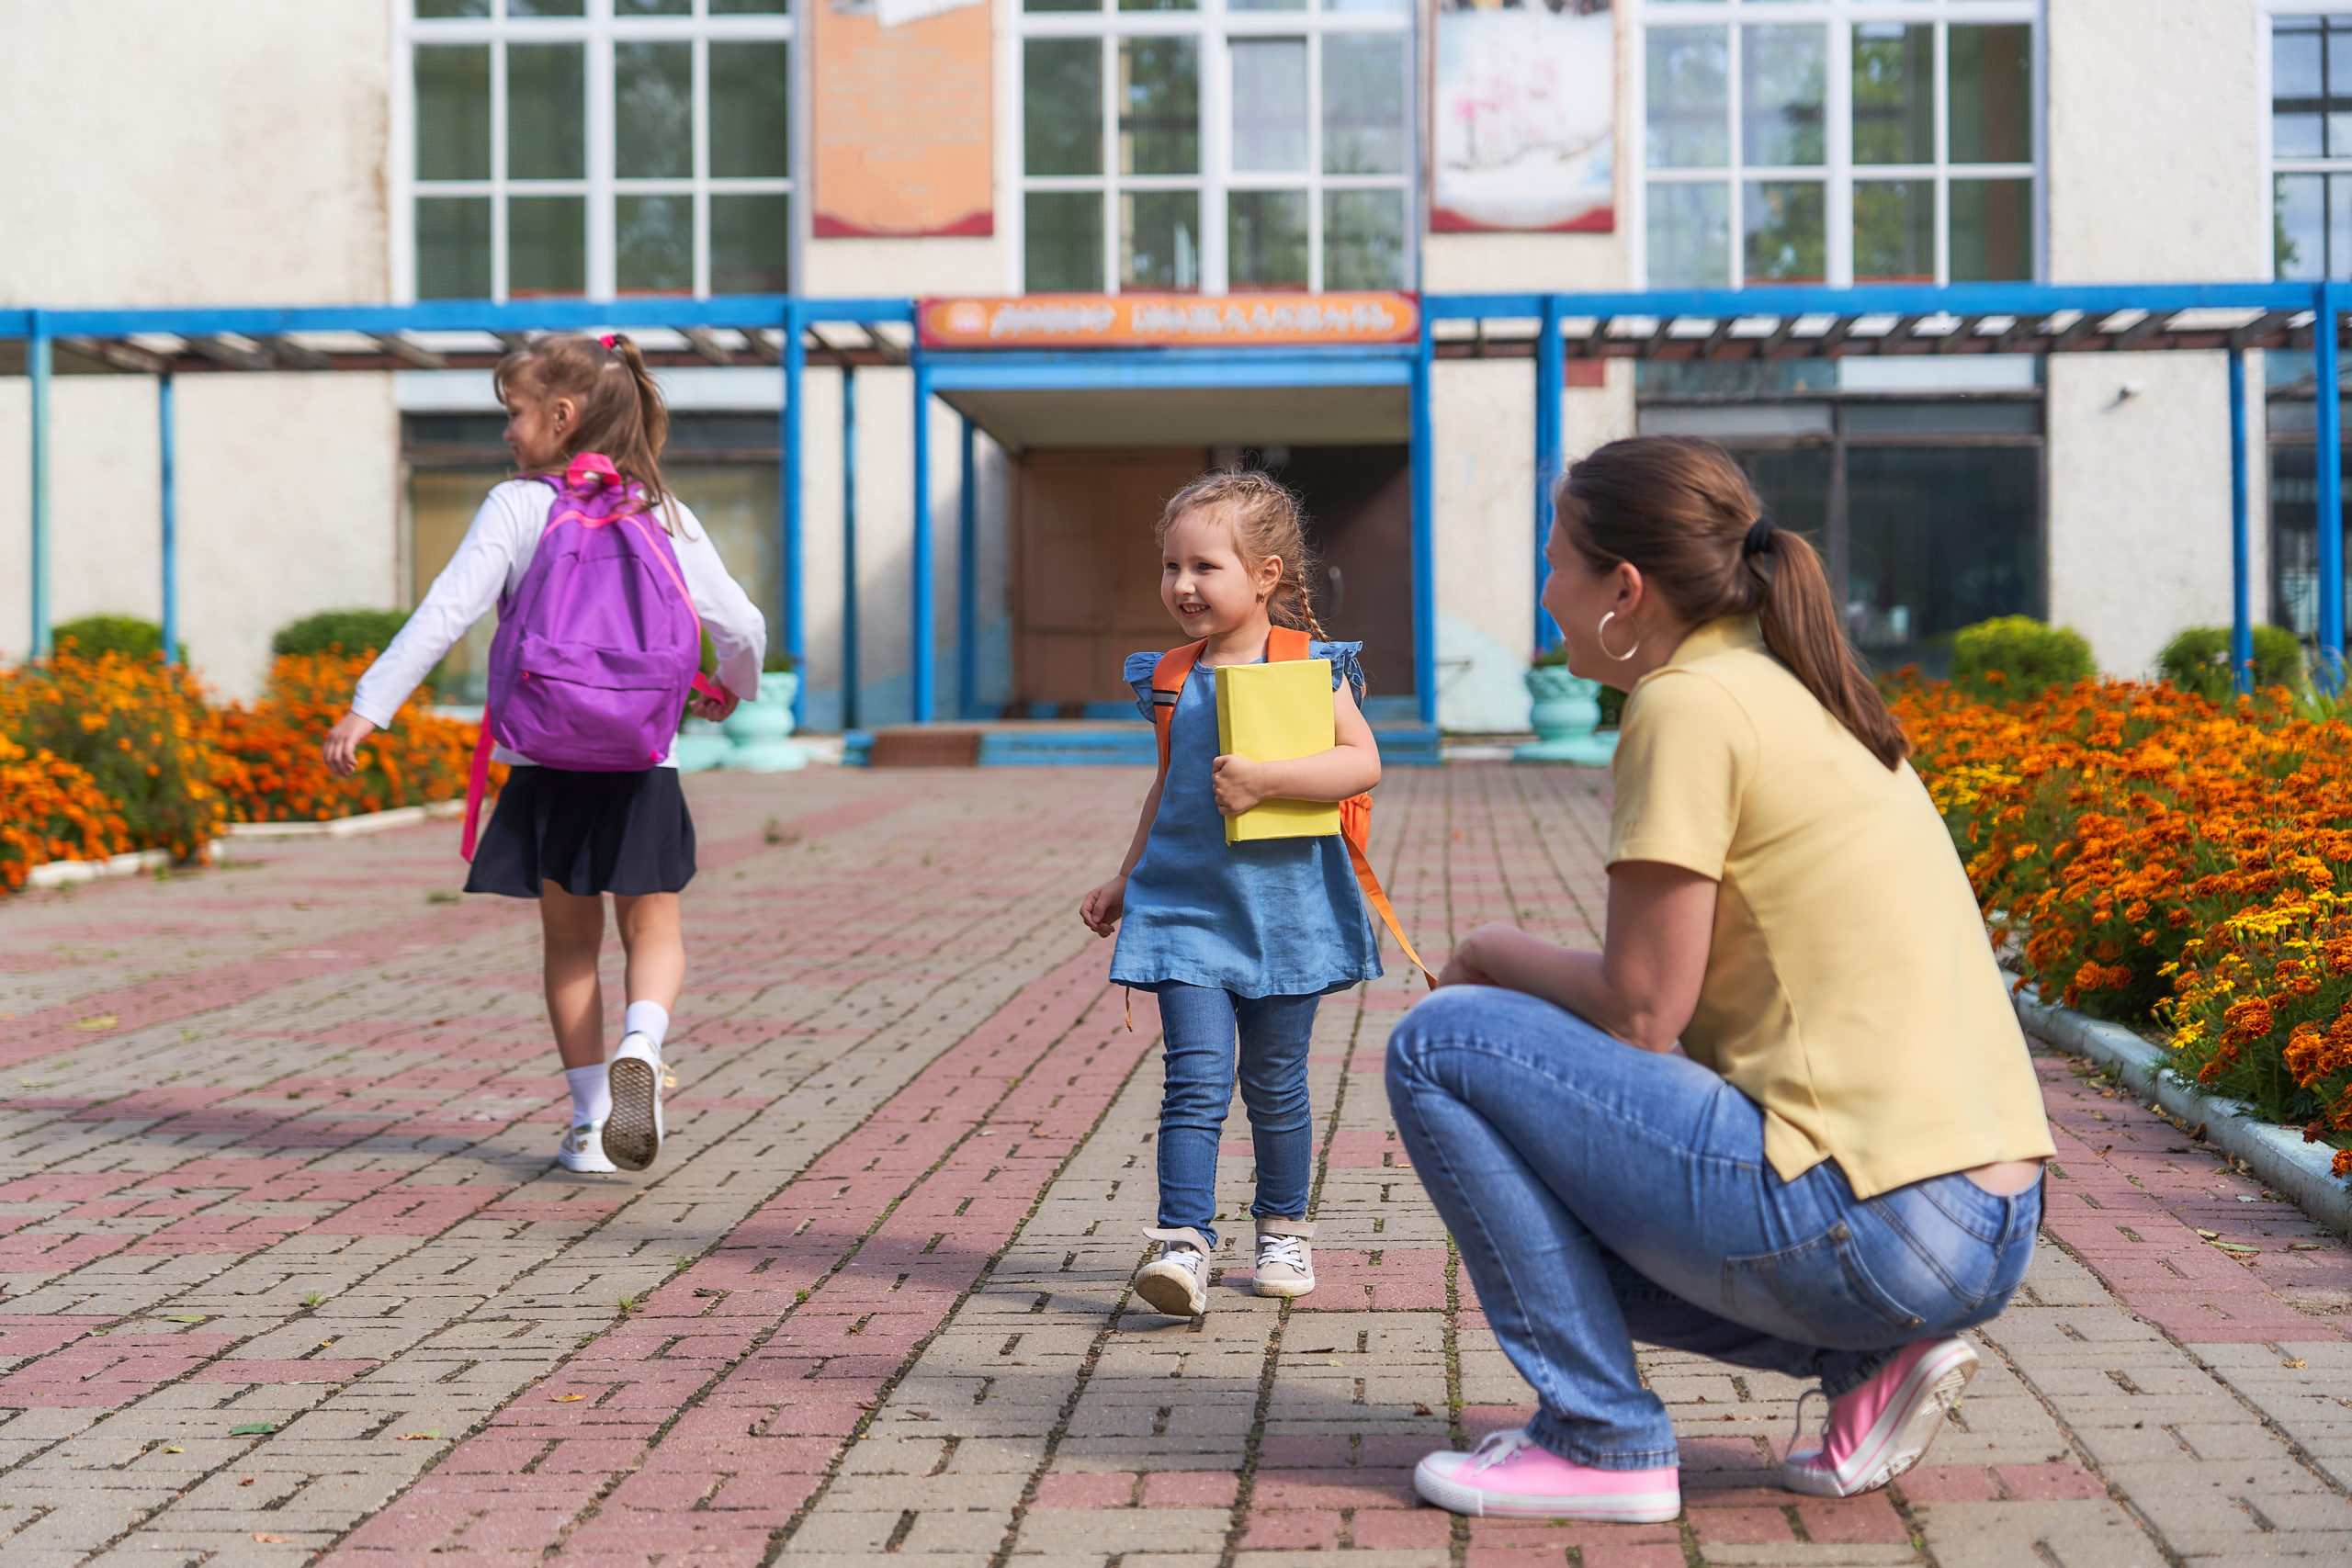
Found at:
(591, 1095)
(649, 1019)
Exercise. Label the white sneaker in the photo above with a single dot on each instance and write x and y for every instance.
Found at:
(1176, 1282)
(1286, 1262)
(582, 1150)
(633, 1134)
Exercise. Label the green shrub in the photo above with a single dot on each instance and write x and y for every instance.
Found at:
(2017, 656)
(2199, 660)
(354, 632)
(127, 635)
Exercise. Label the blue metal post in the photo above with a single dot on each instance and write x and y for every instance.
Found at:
(167, 472)
(968, 545)
(37, 370)
(1551, 377)
(2240, 590)
(796, 624)
(850, 676)
(1424, 521)
(920, 633)
(2330, 458)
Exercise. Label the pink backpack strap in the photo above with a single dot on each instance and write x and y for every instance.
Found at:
(477, 784)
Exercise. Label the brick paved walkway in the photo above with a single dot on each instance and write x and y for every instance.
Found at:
(288, 1275)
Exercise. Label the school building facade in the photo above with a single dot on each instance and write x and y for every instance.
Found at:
(1100, 155)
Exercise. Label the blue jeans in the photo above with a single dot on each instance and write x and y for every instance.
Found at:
(1201, 1023)
(1602, 1194)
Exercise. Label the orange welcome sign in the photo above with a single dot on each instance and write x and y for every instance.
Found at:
(1169, 320)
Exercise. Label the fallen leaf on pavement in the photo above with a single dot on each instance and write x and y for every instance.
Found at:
(567, 1398)
(98, 1020)
(2211, 1236)
(253, 1429)
(175, 1448)
(269, 1540)
(416, 1437)
(185, 1317)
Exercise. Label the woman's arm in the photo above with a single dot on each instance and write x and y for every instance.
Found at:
(1348, 768)
(1642, 987)
(1101, 907)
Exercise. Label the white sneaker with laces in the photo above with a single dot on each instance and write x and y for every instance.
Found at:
(582, 1150)
(1176, 1282)
(1286, 1262)
(633, 1134)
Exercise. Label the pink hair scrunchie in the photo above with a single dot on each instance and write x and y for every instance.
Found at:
(608, 340)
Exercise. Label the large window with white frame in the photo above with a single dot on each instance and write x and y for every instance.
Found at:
(596, 147)
(2311, 146)
(1837, 141)
(1202, 145)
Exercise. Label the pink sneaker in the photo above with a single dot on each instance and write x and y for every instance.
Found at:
(1880, 1429)
(1509, 1476)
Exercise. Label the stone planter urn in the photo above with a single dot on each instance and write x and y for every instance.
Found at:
(761, 728)
(1565, 712)
(702, 744)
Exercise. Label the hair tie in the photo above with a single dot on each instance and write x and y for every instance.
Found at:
(1760, 538)
(608, 340)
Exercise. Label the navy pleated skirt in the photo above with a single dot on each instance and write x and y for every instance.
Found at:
(588, 833)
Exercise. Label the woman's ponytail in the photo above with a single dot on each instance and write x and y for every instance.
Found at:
(1800, 622)
(1681, 510)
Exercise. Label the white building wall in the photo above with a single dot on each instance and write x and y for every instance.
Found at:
(2155, 145)
(201, 154)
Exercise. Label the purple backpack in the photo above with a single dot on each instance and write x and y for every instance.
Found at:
(598, 646)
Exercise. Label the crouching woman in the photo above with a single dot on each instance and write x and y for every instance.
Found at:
(1844, 1171)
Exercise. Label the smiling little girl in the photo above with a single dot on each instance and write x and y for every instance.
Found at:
(1244, 938)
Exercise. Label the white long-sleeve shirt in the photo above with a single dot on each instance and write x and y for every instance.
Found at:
(490, 562)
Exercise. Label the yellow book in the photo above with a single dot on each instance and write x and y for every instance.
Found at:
(1271, 712)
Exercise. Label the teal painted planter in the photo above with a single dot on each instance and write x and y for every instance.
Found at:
(702, 745)
(1564, 717)
(760, 730)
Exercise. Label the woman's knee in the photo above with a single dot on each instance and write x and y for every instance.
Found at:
(1439, 1020)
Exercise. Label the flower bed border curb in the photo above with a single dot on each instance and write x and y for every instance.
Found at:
(349, 827)
(2278, 1154)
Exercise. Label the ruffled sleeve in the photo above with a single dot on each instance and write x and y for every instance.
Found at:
(1137, 675)
(1344, 665)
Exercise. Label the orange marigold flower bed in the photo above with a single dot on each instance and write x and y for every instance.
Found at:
(52, 811)
(2156, 857)
(273, 769)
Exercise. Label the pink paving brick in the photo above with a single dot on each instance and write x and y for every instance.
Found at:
(1292, 1530)
(1394, 1530)
(1188, 1488)
(1948, 1483)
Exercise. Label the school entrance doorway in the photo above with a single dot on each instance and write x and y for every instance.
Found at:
(1086, 571)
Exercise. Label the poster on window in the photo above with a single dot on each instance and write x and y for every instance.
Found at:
(901, 118)
(1525, 112)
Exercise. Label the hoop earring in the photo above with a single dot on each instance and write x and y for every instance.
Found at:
(1600, 636)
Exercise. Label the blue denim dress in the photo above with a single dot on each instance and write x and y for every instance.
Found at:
(1268, 918)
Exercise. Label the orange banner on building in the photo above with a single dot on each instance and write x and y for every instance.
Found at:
(1169, 320)
(902, 118)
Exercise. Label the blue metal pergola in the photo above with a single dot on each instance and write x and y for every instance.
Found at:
(1551, 328)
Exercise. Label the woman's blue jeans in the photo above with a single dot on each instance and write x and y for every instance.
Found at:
(1201, 1023)
(1602, 1194)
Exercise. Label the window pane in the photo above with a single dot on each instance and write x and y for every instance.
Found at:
(1159, 106)
(1784, 225)
(2296, 136)
(2339, 225)
(750, 131)
(1390, 6)
(2298, 208)
(1159, 4)
(2339, 87)
(1939, 538)
(751, 244)
(453, 247)
(1159, 239)
(1894, 93)
(1782, 91)
(547, 244)
(1062, 241)
(1270, 106)
(546, 101)
(1061, 106)
(653, 245)
(653, 7)
(653, 110)
(1363, 102)
(2294, 62)
(1265, 239)
(546, 7)
(1991, 94)
(1364, 238)
(453, 111)
(1689, 236)
(1264, 5)
(750, 8)
(1895, 230)
(1992, 230)
(1061, 4)
(427, 9)
(1689, 98)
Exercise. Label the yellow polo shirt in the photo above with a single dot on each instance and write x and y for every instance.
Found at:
(1850, 990)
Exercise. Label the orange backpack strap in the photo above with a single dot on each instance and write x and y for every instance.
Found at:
(1168, 679)
(1355, 818)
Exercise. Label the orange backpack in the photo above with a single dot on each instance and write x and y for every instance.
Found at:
(1286, 643)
